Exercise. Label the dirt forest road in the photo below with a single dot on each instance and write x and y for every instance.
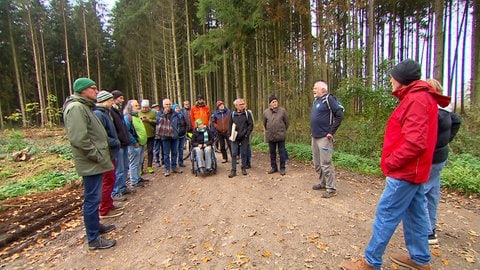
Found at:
(258, 221)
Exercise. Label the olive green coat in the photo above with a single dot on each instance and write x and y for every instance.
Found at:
(87, 136)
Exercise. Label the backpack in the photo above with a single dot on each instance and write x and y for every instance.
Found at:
(330, 108)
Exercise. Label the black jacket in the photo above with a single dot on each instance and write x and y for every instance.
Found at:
(448, 126)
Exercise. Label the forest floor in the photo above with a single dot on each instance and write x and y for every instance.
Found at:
(258, 221)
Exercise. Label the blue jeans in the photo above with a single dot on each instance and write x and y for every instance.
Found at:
(181, 143)
(135, 158)
(432, 194)
(121, 171)
(170, 145)
(400, 201)
(92, 185)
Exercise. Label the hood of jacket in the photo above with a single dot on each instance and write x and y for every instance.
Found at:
(420, 85)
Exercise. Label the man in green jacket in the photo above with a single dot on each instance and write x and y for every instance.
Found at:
(88, 139)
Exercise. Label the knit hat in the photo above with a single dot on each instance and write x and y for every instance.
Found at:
(81, 84)
(199, 96)
(219, 103)
(145, 103)
(272, 98)
(155, 105)
(198, 122)
(103, 96)
(117, 93)
(406, 72)
(174, 106)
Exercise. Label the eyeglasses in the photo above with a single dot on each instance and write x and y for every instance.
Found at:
(241, 103)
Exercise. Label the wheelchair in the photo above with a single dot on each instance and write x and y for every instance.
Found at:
(194, 166)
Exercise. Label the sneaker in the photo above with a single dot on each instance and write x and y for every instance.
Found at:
(282, 172)
(112, 213)
(224, 160)
(143, 180)
(158, 164)
(248, 167)
(175, 170)
(244, 171)
(138, 185)
(128, 190)
(432, 239)
(329, 194)
(118, 207)
(182, 165)
(202, 170)
(167, 173)
(101, 243)
(318, 187)
(405, 261)
(119, 197)
(359, 264)
(272, 171)
(106, 228)
(149, 169)
(232, 174)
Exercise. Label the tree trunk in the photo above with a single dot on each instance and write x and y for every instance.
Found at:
(191, 68)
(439, 43)
(475, 47)
(38, 71)
(370, 43)
(175, 54)
(67, 57)
(87, 58)
(17, 74)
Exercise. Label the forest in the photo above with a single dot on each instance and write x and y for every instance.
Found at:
(152, 49)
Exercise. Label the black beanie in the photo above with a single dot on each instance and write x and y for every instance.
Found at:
(406, 72)
(272, 98)
(117, 93)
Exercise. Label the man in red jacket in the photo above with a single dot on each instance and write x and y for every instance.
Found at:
(408, 147)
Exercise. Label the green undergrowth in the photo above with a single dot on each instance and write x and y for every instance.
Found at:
(37, 183)
(461, 173)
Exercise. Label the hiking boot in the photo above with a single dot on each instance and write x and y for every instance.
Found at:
(128, 190)
(106, 228)
(318, 187)
(175, 170)
(182, 165)
(101, 243)
(248, 167)
(329, 194)
(149, 169)
(282, 172)
(359, 264)
(143, 180)
(232, 174)
(112, 213)
(272, 171)
(244, 171)
(167, 173)
(405, 261)
(119, 197)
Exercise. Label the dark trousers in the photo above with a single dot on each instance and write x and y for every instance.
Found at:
(223, 140)
(92, 192)
(272, 147)
(236, 146)
(150, 143)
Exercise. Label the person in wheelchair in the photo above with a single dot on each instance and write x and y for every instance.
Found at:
(202, 141)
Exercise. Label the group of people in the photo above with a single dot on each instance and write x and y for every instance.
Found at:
(108, 144)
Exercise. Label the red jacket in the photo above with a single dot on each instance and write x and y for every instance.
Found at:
(411, 133)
